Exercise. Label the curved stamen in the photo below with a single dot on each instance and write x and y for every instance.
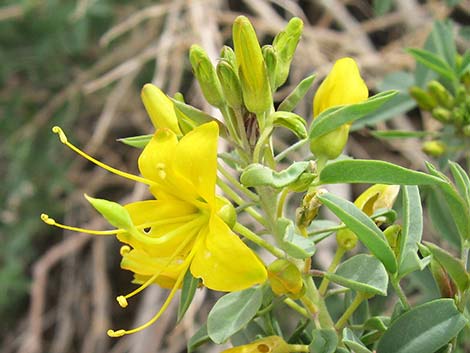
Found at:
(51, 221)
(179, 280)
(63, 138)
(122, 299)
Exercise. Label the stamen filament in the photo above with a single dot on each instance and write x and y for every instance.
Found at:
(179, 280)
(51, 221)
(163, 222)
(64, 140)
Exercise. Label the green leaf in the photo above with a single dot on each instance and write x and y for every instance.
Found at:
(411, 233)
(292, 243)
(423, 329)
(113, 212)
(290, 121)
(353, 343)
(374, 172)
(188, 291)
(433, 62)
(462, 181)
(198, 339)
(232, 312)
(400, 134)
(259, 175)
(335, 117)
(379, 323)
(454, 267)
(365, 229)
(362, 273)
(323, 341)
(291, 101)
(136, 141)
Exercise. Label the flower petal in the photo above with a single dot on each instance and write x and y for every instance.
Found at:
(224, 262)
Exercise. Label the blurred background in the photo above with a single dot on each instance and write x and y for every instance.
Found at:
(81, 64)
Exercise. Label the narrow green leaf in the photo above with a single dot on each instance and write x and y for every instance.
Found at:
(365, 229)
(454, 267)
(462, 181)
(400, 134)
(113, 212)
(291, 101)
(292, 243)
(433, 62)
(335, 117)
(411, 232)
(374, 172)
(353, 343)
(198, 339)
(232, 312)
(136, 141)
(188, 291)
(323, 341)
(259, 175)
(443, 41)
(290, 121)
(362, 273)
(423, 329)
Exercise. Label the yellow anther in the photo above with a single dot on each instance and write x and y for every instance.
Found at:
(46, 219)
(60, 132)
(118, 333)
(122, 301)
(124, 250)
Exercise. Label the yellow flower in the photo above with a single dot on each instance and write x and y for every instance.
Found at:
(182, 229)
(159, 108)
(342, 86)
(271, 344)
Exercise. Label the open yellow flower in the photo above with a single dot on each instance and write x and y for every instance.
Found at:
(182, 228)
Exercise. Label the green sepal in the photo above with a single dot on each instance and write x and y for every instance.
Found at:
(198, 339)
(291, 121)
(113, 212)
(260, 175)
(362, 273)
(291, 242)
(188, 291)
(291, 101)
(136, 141)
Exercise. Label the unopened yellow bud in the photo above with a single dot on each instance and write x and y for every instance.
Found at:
(434, 148)
(285, 278)
(424, 99)
(206, 76)
(346, 239)
(271, 344)
(442, 114)
(159, 108)
(440, 94)
(251, 67)
(226, 211)
(230, 84)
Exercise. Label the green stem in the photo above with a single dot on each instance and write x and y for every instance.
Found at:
(327, 230)
(289, 149)
(350, 310)
(293, 305)
(247, 233)
(281, 202)
(336, 260)
(332, 292)
(464, 254)
(237, 184)
(257, 152)
(401, 295)
(311, 292)
(298, 348)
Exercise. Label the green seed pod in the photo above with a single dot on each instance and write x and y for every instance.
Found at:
(285, 278)
(346, 239)
(434, 148)
(206, 76)
(424, 99)
(440, 94)
(230, 84)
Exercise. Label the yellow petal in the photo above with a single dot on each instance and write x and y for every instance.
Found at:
(224, 262)
(270, 344)
(343, 85)
(160, 108)
(376, 197)
(195, 158)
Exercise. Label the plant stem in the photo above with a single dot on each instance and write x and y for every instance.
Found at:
(289, 149)
(282, 200)
(237, 184)
(400, 293)
(336, 260)
(327, 230)
(311, 292)
(262, 141)
(247, 233)
(293, 305)
(350, 310)
(298, 348)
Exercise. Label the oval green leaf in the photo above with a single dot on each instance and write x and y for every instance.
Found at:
(291, 101)
(423, 329)
(232, 312)
(354, 343)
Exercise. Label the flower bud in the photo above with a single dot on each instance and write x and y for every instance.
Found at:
(285, 44)
(346, 239)
(206, 76)
(308, 211)
(434, 148)
(226, 211)
(270, 58)
(331, 144)
(442, 114)
(392, 234)
(159, 108)
(446, 286)
(230, 84)
(228, 54)
(251, 67)
(285, 278)
(440, 94)
(424, 99)
(271, 344)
